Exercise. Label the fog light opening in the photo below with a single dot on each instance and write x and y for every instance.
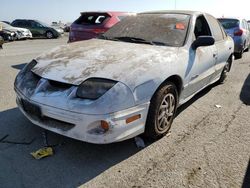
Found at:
(104, 125)
(133, 118)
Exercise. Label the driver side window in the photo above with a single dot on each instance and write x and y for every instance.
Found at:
(35, 24)
(201, 27)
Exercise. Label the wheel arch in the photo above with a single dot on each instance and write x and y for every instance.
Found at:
(176, 80)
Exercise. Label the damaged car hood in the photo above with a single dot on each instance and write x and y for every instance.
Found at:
(129, 63)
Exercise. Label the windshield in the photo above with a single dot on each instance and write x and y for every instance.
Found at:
(42, 23)
(229, 23)
(167, 29)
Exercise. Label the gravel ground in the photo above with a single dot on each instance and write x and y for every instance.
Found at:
(207, 147)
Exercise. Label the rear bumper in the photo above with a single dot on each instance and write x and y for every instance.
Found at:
(86, 127)
(75, 36)
(238, 44)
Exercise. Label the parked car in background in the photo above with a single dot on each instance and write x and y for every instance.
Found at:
(59, 26)
(67, 27)
(21, 33)
(1, 42)
(91, 24)
(129, 81)
(37, 28)
(238, 29)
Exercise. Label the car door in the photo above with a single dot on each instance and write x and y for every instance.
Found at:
(26, 24)
(222, 45)
(35, 28)
(201, 60)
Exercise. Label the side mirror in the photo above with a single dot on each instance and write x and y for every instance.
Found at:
(203, 41)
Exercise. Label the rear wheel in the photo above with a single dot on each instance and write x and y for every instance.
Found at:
(224, 73)
(238, 55)
(49, 35)
(162, 111)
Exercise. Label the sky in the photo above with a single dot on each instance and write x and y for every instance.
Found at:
(69, 10)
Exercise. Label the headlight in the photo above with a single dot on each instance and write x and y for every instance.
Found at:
(25, 70)
(94, 88)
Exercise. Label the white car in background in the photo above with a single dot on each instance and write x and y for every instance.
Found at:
(21, 33)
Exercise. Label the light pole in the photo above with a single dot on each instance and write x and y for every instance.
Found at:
(175, 4)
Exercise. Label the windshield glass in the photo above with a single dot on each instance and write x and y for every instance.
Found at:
(167, 29)
(42, 23)
(229, 23)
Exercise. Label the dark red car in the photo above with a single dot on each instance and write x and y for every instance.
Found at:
(91, 24)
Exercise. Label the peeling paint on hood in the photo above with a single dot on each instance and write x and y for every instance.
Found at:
(129, 63)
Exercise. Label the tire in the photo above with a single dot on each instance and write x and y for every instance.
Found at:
(239, 55)
(161, 115)
(247, 49)
(49, 35)
(224, 73)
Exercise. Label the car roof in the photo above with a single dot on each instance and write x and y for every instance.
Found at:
(233, 18)
(187, 12)
(24, 20)
(106, 12)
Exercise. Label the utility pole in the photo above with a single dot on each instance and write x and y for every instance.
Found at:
(175, 4)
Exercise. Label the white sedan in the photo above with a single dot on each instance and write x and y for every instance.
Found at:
(21, 33)
(127, 82)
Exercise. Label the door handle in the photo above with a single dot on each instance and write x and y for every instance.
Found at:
(230, 48)
(215, 55)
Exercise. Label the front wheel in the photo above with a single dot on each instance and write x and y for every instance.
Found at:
(161, 111)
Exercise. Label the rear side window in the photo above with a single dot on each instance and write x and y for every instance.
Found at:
(215, 27)
(229, 23)
(92, 19)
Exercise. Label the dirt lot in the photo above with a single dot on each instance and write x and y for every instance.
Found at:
(207, 147)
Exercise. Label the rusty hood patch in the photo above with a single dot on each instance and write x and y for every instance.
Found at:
(129, 63)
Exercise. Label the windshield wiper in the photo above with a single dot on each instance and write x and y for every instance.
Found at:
(139, 40)
(106, 38)
(133, 40)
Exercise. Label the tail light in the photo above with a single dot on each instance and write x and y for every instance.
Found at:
(99, 31)
(238, 32)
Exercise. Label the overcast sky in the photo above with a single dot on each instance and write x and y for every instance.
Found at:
(69, 10)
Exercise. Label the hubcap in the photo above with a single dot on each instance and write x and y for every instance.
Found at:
(49, 35)
(166, 112)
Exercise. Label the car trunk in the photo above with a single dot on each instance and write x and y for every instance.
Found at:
(88, 25)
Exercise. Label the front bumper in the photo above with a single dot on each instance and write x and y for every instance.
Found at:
(86, 127)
